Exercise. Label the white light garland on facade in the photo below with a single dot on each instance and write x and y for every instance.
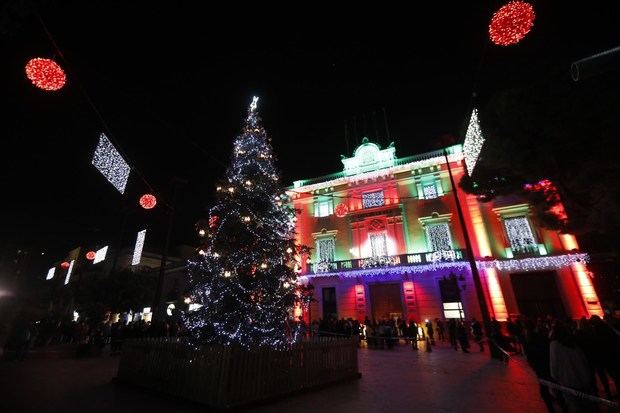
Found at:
(100, 255)
(111, 164)
(523, 264)
(69, 271)
(535, 263)
(137, 250)
(472, 146)
(50, 273)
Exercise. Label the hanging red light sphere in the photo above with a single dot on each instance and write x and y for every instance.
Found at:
(341, 210)
(511, 23)
(64, 265)
(90, 255)
(148, 201)
(45, 74)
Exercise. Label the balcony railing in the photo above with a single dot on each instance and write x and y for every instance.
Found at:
(387, 261)
(531, 250)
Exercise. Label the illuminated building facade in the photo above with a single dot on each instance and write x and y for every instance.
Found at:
(386, 242)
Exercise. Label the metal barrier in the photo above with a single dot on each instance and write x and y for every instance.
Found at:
(578, 393)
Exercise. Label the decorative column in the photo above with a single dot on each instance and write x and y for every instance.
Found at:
(495, 295)
(582, 278)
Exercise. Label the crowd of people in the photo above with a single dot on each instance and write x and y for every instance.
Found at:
(91, 338)
(387, 332)
(579, 354)
(574, 354)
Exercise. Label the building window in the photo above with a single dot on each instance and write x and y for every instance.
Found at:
(438, 237)
(520, 235)
(323, 208)
(325, 249)
(330, 305)
(453, 310)
(378, 245)
(373, 199)
(429, 191)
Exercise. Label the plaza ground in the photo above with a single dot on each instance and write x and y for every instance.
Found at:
(397, 380)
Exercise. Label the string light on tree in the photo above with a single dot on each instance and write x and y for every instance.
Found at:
(474, 140)
(45, 74)
(511, 23)
(202, 232)
(148, 201)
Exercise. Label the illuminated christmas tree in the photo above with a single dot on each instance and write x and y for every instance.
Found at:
(244, 277)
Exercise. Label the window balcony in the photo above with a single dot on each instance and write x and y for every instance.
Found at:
(387, 261)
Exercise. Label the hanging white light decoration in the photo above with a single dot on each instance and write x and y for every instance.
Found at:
(111, 164)
(100, 255)
(137, 250)
(69, 271)
(50, 273)
(535, 263)
(472, 146)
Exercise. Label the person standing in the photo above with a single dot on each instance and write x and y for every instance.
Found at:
(569, 367)
(413, 334)
(430, 331)
(440, 329)
(476, 330)
(452, 332)
(461, 333)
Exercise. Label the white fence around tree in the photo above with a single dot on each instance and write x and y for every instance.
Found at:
(226, 377)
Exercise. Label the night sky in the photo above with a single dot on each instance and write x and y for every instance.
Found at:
(172, 84)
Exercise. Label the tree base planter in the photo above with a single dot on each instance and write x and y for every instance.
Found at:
(228, 377)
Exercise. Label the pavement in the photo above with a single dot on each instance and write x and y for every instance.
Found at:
(398, 380)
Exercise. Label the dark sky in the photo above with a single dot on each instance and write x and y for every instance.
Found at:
(172, 83)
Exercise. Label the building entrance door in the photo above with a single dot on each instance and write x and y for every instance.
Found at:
(385, 301)
(537, 294)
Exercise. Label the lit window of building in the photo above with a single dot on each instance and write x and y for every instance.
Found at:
(323, 208)
(429, 191)
(453, 310)
(378, 245)
(373, 199)
(438, 237)
(520, 235)
(325, 249)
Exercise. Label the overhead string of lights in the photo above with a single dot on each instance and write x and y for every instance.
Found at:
(109, 157)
